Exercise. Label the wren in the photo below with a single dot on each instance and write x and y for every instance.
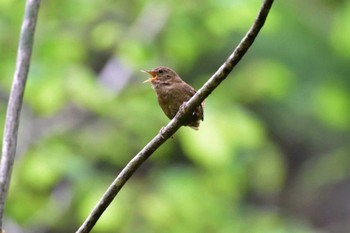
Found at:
(172, 92)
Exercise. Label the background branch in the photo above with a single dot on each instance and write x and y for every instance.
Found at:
(16, 99)
(175, 123)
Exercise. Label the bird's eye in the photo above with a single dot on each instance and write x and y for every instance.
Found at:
(160, 71)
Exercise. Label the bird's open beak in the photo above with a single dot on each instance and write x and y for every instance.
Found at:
(152, 73)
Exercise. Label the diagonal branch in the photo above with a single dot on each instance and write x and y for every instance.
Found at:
(175, 123)
(16, 99)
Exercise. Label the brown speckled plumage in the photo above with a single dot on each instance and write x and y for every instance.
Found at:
(172, 92)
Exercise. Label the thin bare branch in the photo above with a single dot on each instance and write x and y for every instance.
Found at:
(175, 123)
(16, 98)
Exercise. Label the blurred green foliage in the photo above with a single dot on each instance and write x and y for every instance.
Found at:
(275, 133)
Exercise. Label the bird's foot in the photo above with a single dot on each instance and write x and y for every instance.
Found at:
(182, 107)
(161, 132)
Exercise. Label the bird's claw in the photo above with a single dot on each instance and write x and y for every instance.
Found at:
(182, 108)
(161, 132)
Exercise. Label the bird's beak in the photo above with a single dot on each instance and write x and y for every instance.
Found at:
(152, 73)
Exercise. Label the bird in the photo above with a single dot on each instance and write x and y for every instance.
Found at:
(172, 92)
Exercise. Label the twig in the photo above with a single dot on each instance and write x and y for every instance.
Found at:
(16, 99)
(175, 123)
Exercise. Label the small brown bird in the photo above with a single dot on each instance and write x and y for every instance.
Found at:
(172, 92)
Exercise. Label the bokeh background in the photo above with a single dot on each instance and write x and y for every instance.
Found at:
(272, 154)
